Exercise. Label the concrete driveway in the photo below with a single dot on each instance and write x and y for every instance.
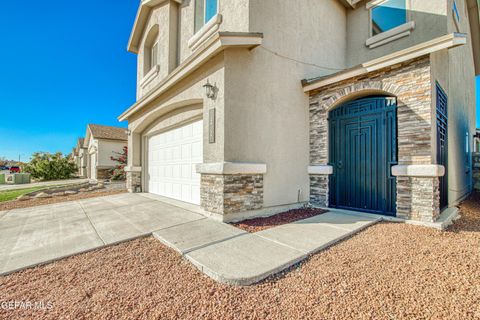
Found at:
(41, 234)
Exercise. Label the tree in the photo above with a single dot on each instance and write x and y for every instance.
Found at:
(47, 166)
(118, 173)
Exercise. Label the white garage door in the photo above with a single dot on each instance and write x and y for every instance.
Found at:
(172, 157)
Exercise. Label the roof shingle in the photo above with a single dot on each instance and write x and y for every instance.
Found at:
(107, 132)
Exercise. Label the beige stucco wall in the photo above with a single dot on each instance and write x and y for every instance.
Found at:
(165, 16)
(107, 149)
(266, 111)
(454, 70)
(189, 92)
(430, 19)
(176, 28)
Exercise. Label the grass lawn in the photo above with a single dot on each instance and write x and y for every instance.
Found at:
(13, 194)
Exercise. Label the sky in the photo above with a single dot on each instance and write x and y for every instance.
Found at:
(63, 65)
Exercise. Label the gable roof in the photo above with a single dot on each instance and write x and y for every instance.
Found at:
(141, 20)
(106, 132)
(80, 143)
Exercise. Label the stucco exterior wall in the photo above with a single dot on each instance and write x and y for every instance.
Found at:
(107, 149)
(454, 71)
(266, 111)
(430, 19)
(189, 92)
(165, 16)
(176, 28)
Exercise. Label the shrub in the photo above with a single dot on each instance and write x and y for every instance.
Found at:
(118, 173)
(47, 166)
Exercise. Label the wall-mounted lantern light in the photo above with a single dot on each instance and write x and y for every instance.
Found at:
(210, 90)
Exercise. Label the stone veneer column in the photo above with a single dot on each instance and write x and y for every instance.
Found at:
(319, 190)
(411, 83)
(418, 191)
(134, 179)
(228, 188)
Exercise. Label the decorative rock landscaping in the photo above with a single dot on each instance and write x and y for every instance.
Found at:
(64, 193)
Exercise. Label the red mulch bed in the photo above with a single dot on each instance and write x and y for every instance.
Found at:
(260, 224)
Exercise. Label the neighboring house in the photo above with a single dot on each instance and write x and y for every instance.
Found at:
(250, 107)
(476, 143)
(101, 143)
(80, 158)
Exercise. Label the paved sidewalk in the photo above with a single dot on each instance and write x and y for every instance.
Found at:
(6, 187)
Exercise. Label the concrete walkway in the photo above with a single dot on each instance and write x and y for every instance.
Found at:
(6, 187)
(232, 256)
(45, 233)
(42, 234)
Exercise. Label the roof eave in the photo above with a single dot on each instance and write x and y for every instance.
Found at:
(140, 21)
(214, 45)
(474, 17)
(445, 42)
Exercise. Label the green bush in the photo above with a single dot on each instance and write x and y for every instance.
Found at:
(47, 166)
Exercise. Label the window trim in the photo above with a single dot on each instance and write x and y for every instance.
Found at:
(204, 22)
(205, 11)
(153, 54)
(396, 33)
(205, 32)
(152, 39)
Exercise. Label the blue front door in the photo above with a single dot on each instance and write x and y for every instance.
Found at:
(362, 150)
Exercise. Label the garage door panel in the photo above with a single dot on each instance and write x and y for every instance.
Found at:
(172, 158)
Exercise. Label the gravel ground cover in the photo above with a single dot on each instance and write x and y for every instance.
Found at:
(9, 205)
(260, 224)
(389, 271)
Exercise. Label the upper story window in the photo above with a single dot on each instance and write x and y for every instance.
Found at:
(205, 10)
(387, 15)
(390, 20)
(150, 53)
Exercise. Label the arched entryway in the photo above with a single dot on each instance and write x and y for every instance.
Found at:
(362, 149)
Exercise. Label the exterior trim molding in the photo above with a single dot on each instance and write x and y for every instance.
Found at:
(141, 20)
(445, 42)
(231, 168)
(150, 76)
(426, 171)
(205, 32)
(388, 36)
(320, 170)
(219, 42)
(133, 169)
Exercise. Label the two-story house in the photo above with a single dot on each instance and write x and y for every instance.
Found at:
(251, 107)
(80, 158)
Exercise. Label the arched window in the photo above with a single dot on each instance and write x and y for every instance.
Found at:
(150, 53)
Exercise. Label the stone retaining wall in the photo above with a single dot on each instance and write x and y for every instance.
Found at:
(103, 174)
(224, 194)
(134, 181)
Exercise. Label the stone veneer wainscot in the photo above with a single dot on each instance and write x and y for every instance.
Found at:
(411, 83)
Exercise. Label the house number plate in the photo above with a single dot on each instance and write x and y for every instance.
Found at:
(211, 126)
